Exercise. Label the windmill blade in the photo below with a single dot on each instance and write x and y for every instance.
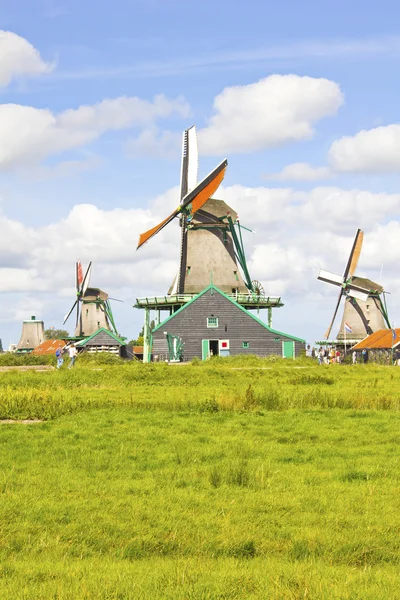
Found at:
(354, 255)
(206, 188)
(190, 156)
(77, 313)
(197, 198)
(144, 237)
(330, 277)
(193, 159)
(79, 275)
(69, 314)
(86, 279)
(359, 295)
(328, 331)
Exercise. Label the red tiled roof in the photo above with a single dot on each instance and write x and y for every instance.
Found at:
(49, 347)
(383, 338)
(138, 349)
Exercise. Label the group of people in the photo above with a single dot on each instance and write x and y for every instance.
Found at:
(330, 355)
(327, 356)
(72, 353)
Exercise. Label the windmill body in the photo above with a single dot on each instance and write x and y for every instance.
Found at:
(92, 314)
(32, 335)
(92, 306)
(208, 252)
(364, 305)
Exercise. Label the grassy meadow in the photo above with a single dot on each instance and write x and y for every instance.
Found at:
(234, 478)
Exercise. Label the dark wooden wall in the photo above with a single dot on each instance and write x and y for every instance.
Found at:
(234, 325)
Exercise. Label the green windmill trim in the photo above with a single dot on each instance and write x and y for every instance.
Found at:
(102, 329)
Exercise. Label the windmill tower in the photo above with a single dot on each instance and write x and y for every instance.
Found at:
(32, 335)
(93, 309)
(364, 308)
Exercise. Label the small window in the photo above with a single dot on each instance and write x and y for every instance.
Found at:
(212, 321)
(236, 275)
(188, 270)
(245, 345)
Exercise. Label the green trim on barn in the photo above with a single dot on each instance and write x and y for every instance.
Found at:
(247, 312)
(102, 329)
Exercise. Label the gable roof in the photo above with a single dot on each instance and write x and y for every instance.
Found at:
(381, 339)
(247, 312)
(48, 347)
(101, 330)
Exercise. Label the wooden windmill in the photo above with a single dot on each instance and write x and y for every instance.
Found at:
(93, 309)
(364, 306)
(211, 242)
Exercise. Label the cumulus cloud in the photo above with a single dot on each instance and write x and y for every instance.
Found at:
(28, 135)
(273, 111)
(369, 151)
(301, 172)
(154, 144)
(18, 57)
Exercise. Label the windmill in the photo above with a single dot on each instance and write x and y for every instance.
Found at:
(211, 241)
(93, 309)
(364, 309)
(32, 335)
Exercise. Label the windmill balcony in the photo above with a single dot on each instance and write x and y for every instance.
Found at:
(246, 300)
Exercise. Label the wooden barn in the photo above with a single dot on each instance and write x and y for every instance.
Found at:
(382, 346)
(212, 323)
(102, 340)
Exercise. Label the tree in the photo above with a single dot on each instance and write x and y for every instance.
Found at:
(139, 341)
(55, 334)
(1, 346)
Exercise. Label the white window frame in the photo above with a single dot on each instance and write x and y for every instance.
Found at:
(212, 326)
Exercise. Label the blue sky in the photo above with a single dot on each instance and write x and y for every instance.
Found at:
(331, 65)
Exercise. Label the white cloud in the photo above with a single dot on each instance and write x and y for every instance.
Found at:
(369, 151)
(63, 169)
(155, 144)
(28, 135)
(273, 111)
(301, 172)
(19, 57)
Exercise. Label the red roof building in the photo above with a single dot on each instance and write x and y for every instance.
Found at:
(49, 347)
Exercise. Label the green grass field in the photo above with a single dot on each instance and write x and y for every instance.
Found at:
(227, 479)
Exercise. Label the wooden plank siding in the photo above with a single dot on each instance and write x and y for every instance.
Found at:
(234, 324)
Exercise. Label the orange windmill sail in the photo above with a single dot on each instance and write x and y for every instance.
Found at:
(196, 198)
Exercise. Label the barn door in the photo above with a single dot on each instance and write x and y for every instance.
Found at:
(205, 349)
(288, 349)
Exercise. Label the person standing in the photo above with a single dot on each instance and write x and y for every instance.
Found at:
(72, 355)
(59, 357)
(354, 357)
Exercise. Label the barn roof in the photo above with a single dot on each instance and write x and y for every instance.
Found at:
(247, 312)
(381, 339)
(101, 331)
(48, 347)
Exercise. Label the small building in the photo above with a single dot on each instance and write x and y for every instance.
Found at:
(212, 323)
(382, 346)
(49, 347)
(102, 340)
